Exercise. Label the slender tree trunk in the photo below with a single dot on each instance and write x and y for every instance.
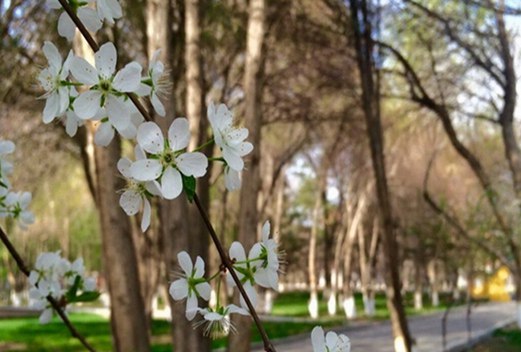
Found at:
(248, 214)
(128, 320)
(348, 296)
(312, 254)
(370, 102)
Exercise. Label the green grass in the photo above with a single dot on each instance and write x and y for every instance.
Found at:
(294, 304)
(26, 334)
(505, 340)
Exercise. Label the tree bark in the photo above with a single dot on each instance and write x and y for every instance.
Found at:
(128, 320)
(370, 102)
(248, 214)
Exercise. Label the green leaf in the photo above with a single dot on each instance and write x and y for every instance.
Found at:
(87, 297)
(189, 186)
(71, 294)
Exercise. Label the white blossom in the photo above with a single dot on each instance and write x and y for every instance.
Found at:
(135, 196)
(154, 84)
(331, 342)
(192, 285)
(108, 10)
(87, 15)
(15, 206)
(229, 138)
(53, 80)
(244, 270)
(217, 322)
(168, 159)
(107, 90)
(232, 179)
(54, 276)
(267, 264)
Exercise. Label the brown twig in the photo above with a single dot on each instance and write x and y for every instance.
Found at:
(225, 259)
(268, 346)
(55, 305)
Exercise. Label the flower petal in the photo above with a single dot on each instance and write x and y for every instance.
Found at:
(204, 290)
(87, 104)
(146, 169)
(191, 307)
(66, 28)
(171, 183)
(179, 134)
(232, 179)
(331, 339)
(178, 289)
(147, 213)
(128, 78)
(317, 339)
(105, 59)
(150, 138)
(104, 134)
(237, 252)
(245, 148)
(46, 316)
(192, 164)
(252, 295)
(83, 71)
(51, 108)
(52, 55)
(90, 18)
(118, 112)
(199, 267)
(130, 201)
(123, 166)
(185, 262)
(266, 230)
(158, 105)
(233, 160)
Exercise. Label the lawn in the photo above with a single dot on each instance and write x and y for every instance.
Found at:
(507, 339)
(25, 334)
(295, 304)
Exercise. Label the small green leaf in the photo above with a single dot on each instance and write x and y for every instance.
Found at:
(71, 294)
(86, 297)
(189, 186)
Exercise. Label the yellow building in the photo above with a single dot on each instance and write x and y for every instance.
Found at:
(497, 287)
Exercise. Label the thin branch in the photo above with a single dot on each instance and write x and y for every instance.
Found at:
(55, 304)
(226, 261)
(454, 222)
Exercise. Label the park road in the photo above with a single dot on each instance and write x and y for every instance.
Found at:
(426, 330)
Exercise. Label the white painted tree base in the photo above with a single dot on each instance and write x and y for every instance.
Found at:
(435, 299)
(313, 305)
(418, 300)
(331, 304)
(350, 307)
(369, 305)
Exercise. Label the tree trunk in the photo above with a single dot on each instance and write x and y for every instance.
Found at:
(348, 296)
(370, 102)
(248, 214)
(128, 320)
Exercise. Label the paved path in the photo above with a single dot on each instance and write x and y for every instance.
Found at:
(376, 337)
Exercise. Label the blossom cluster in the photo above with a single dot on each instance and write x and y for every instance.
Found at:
(92, 13)
(12, 204)
(260, 267)
(56, 277)
(163, 167)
